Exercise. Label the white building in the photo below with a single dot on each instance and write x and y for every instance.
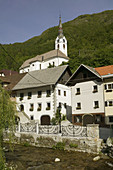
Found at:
(40, 92)
(50, 59)
(106, 73)
(87, 96)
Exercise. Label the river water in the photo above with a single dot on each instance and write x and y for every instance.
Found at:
(34, 158)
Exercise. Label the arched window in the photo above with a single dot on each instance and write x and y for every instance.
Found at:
(21, 107)
(64, 46)
(58, 46)
(63, 40)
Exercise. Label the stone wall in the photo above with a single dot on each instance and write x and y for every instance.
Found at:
(90, 144)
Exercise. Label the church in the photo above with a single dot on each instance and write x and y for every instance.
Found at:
(50, 59)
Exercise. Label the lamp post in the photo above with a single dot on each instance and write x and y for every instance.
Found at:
(59, 110)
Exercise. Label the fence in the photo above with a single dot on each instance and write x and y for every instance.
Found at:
(70, 130)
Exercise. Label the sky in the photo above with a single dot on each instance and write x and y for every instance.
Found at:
(21, 20)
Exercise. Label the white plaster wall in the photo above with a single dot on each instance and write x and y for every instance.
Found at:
(87, 98)
(35, 66)
(44, 64)
(57, 61)
(54, 99)
(63, 99)
(24, 70)
(43, 100)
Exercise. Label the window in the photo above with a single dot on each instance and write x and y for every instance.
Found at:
(64, 40)
(53, 63)
(64, 46)
(21, 96)
(58, 46)
(59, 92)
(106, 104)
(64, 93)
(77, 91)
(95, 89)
(21, 107)
(48, 93)
(39, 94)
(78, 106)
(110, 119)
(110, 103)
(60, 105)
(29, 95)
(108, 87)
(33, 65)
(32, 117)
(96, 104)
(40, 66)
(48, 106)
(39, 107)
(31, 107)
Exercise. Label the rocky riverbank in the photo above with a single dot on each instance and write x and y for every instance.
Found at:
(34, 158)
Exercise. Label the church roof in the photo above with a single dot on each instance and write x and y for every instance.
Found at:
(44, 57)
(39, 78)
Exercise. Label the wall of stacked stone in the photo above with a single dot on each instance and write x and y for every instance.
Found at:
(90, 144)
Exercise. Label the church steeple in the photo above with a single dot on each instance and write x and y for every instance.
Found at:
(60, 31)
(61, 42)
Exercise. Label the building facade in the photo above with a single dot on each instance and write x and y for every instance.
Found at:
(87, 97)
(39, 98)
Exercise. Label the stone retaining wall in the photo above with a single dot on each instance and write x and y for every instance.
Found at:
(90, 144)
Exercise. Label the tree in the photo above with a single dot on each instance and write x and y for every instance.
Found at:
(7, 120)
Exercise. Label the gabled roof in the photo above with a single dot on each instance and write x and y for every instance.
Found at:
(46, 56)
(105, 70)
(12, 80)
(91, 69)
(39, 78)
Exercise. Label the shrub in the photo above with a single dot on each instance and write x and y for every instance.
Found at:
(73, 145)
(59, 146)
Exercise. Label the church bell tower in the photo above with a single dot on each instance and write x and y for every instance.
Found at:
(61, 42)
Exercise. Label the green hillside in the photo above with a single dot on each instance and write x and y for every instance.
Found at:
(90, 41)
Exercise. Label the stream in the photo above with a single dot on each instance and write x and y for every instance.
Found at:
(34, 158)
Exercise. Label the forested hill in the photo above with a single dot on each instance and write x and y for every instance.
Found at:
(90, 41)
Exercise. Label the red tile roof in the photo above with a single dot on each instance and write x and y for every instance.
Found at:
(105, 70)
